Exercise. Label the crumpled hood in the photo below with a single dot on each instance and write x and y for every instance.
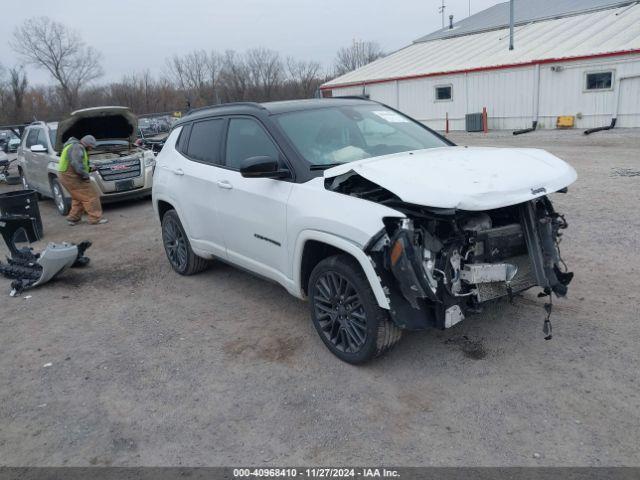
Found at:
(466, 178)
(104, 123)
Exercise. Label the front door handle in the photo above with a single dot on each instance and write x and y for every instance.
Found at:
(178, 171)
(224, 184)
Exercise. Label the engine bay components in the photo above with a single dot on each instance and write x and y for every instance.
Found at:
(442, 264)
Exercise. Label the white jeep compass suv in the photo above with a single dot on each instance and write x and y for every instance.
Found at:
(381, 223)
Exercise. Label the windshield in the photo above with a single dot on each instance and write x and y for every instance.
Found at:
(328, 136)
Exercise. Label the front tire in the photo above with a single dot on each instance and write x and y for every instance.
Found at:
(63, 204)
(177, 247)
(346, 314)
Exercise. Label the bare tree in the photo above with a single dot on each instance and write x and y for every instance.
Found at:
(18, 85)
(196, 74)
(50, 45)
(357, 55)
(4, 97)
(234, 77)
(305, 76)
(265, 72)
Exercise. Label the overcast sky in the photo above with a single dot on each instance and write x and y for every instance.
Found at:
(137, 35)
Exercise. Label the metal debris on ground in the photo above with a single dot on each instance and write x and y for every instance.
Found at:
(625, 172)
(28, 269)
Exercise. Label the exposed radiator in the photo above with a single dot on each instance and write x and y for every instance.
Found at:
(523, 279)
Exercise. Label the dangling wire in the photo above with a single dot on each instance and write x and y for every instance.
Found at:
(548, 329)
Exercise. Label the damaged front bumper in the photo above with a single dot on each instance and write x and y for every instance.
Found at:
(27, 269)
(436, 266)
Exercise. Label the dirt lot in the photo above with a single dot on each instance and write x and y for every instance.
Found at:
(149, 368)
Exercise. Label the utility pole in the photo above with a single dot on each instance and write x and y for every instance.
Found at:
(511, 20)
(441, 11)
(469, 7)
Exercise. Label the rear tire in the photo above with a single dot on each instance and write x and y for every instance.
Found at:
(63, 204)
(177, 247)
(346, 314)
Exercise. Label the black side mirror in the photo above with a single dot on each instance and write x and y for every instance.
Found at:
(262, 167)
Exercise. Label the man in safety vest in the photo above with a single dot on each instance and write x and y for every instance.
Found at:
(74, 175)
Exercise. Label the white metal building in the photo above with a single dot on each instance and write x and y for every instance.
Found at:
(571, 57)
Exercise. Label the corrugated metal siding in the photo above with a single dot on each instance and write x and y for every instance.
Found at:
(509, 95)
(602, 32)
(525, 11)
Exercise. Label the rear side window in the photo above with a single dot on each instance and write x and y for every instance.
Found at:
(204, 141)
(246, 139)
(183, 139)
(32, 138)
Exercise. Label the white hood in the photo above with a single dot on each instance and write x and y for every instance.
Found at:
(465, 178)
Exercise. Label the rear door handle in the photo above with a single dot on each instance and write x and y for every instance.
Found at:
(224, 184)
(178, 171)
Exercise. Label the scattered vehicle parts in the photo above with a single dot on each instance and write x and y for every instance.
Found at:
(28, 269)
(5, 175)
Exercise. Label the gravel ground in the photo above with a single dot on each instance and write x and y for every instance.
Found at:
(149, 368)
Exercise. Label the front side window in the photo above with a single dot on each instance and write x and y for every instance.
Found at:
(42, 138)
(599, 80)
(204, 141)
(341, 134)
(444, 92)
(246, 139)
(32, 138)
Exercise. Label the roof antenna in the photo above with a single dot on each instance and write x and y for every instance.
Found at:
(441, 11)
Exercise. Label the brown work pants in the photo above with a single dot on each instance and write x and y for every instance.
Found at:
(84, 197)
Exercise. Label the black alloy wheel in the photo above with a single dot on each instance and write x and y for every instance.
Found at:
(340, 312)
(177, 247)
(345, 312)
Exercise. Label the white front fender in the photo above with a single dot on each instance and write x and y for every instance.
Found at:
(348, 247)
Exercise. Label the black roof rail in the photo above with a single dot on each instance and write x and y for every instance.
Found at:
(221, 105)
(351, 97)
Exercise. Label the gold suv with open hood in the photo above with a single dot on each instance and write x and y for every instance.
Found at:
(120, 169)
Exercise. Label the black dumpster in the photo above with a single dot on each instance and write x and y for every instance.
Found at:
(22, 202)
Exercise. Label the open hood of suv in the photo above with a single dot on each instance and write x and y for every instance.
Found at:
(104, 123)
(466, 178)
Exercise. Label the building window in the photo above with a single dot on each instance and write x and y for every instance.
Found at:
(444, 93)
(599, 80)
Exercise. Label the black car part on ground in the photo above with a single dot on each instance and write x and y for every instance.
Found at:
(28, 269)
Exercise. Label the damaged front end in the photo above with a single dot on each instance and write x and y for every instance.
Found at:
(438, 265)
